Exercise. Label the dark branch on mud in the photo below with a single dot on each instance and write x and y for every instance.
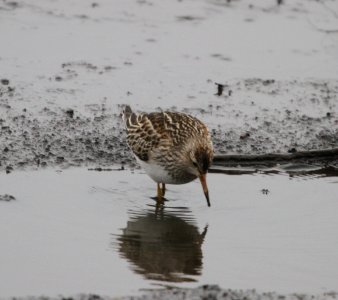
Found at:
(317, 156)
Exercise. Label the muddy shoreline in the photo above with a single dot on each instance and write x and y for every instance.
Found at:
(202, 292)
(57, 136)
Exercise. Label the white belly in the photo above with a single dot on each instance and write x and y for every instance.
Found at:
(156, 172)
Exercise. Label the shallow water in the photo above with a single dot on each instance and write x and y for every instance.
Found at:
(78, 231)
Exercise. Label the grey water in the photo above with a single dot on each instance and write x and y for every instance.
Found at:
(76, 231)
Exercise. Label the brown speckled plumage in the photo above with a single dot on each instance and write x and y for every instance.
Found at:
(177, 143)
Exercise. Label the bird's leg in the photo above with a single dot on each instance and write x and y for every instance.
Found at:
(163, 189)
(159, 193)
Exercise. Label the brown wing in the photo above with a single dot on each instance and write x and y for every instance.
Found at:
(142, 137)
(180, 127)
(149, 131)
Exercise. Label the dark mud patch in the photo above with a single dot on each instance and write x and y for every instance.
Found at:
(64, 138)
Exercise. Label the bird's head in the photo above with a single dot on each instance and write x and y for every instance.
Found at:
(199, 163)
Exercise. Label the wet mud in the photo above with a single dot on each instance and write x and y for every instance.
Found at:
(63, 139)
(200, 293)
(55, 136)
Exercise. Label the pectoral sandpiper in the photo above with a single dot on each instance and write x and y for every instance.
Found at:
(172, 147)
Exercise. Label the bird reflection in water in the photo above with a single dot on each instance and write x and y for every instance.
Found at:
(163, 245)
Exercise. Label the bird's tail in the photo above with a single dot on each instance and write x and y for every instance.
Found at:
(128, 115)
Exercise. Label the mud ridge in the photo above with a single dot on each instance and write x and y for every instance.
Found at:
(199, 293)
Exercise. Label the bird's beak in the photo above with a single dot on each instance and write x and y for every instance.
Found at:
(203, 179)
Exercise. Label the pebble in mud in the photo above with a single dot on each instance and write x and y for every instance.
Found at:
(70, 113)
(5, 81)
(9, 169)
(58, 78)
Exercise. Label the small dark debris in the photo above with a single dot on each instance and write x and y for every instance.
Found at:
(58, 78)
(83, 16)
(13, 4)
(220, 89)
(94, 297)
(9, 169)
(100, 169)
(244, 135)
(221, 57)
(328, 114)
(109, 68)
(265, 191)
(70, 113)
(5, 81)
(7, 198)
(188, 18)
(292, 150)
(94, 4)
(249, 20)
(268, 81)
(60, 159)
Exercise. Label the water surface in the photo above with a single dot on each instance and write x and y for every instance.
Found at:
(76, 231)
